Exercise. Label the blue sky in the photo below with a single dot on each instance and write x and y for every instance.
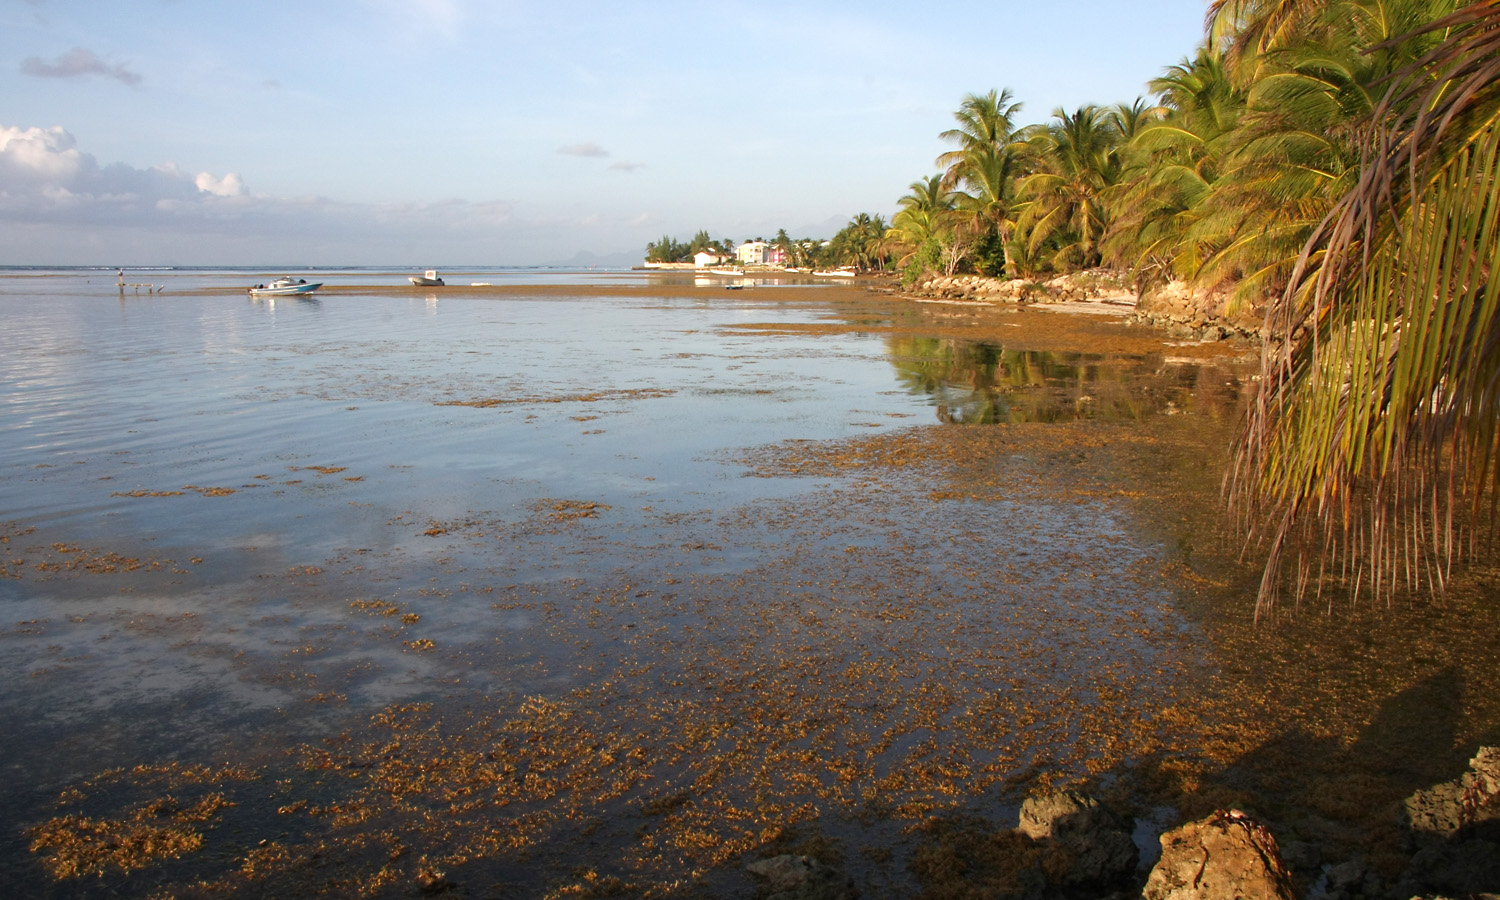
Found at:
(448, 132)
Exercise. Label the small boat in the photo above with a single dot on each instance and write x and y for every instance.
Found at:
(287, 285)
(835, 273)
(426, 279)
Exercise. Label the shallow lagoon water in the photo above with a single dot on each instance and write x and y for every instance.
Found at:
(237, 526)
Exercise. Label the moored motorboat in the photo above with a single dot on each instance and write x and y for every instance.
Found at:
(426, 279)
(287, 285)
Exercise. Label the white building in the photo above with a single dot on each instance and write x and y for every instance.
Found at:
(703, 259)
(752, 253)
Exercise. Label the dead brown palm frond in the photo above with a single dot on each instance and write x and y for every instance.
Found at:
(1374, 437)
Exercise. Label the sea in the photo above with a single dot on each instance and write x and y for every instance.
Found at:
(541, 589)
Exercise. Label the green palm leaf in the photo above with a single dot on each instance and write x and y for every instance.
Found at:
(1374, 436)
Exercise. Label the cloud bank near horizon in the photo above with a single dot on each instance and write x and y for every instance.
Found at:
(49, 186)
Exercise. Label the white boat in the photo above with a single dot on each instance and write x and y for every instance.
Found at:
(835, 273)
(426, 279)
(287, 285)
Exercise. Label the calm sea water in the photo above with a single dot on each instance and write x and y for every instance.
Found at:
(221, 514)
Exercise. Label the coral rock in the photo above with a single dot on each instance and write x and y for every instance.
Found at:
(1096, 842)
(1223, 857)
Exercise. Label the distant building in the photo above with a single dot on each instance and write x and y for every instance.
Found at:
(703, 259)
(761, 253)
(752, 253)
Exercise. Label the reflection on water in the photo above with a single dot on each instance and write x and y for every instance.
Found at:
(294, 533)
(980, 383)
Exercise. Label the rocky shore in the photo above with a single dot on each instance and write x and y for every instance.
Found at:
(1175, 306)
(1068, 846)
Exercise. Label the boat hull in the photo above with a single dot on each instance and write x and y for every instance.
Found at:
(419, 281)
(285, 290)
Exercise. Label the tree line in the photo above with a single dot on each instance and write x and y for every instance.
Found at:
(860, 244)
(1335, 163)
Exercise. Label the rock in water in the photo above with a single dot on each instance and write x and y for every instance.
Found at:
(1095, 845)
(1223, 857)
(1455, 827)
(1434, 814)
(792, 877)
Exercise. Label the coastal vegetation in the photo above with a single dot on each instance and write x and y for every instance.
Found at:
(1328, 167)
(1332, 165)
(670, 250)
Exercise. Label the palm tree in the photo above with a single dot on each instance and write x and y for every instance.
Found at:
(860, 243)
(667, 250)
(919, 228)
(1077, 159)
(985, 165)
(1248, 32)
(872, 240)
(1298, 147)
(1376, 433)
(1130, 119)
(985, 125)
(932, 230)
(784, 242)
(1172, 164)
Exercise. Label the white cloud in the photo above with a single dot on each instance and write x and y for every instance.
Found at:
(44, 175)
(42, 153)
(587, 148)
(79, 63)
(56, 201)
(228, 186)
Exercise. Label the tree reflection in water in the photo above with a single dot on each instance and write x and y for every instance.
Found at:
(980, 383)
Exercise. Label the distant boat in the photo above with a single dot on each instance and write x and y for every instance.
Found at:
(286, 285)
(835, 273)
(426, 279)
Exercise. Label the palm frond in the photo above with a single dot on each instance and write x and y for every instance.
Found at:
(1375, 433)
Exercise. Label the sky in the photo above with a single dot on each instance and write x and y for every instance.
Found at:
(509, 132)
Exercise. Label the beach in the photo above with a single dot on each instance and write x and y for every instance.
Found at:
(608, 584)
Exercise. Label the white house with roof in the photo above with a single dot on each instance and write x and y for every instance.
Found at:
(703, 259)
(752, 253)
(761, 253)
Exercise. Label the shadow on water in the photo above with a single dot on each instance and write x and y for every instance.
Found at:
(1333, 806)
(981, 383)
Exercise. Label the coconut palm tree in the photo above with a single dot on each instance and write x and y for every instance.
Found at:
(1129, 119)
(985, 125)
(1297, 149)
(1376, 434)
(923, 224)
(1076, 160)
(1172, 164)
(985, 166)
